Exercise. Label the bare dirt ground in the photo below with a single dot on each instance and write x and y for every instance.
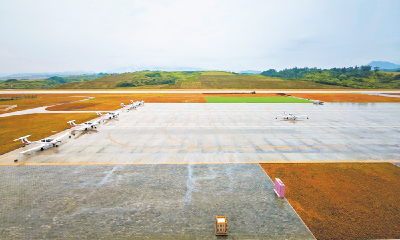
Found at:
(343, 200)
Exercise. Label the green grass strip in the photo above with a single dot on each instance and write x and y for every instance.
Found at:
(255, 100)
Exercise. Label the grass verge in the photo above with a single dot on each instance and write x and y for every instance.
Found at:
(343, 200)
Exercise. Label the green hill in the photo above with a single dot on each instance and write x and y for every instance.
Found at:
(191, 80)
(47, 83)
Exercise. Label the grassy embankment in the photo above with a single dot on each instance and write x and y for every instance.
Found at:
(192, 80)
(344, 200)
(135, 80)
(38, 126)
(44, 83)
(223, 80)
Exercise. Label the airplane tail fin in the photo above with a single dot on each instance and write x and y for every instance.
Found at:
(24, 139)
(122, 104)
(98, 114)
(72, 123)
(131, 101)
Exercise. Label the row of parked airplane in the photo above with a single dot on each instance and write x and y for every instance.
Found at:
(49, 142)
(133, 105)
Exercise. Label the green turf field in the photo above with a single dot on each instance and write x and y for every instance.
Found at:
(255, 100)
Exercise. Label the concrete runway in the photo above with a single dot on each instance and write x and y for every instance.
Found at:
(143, 202)
(167, 133)
(166, 170)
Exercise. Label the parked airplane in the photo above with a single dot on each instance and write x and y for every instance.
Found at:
(291, 116)
(43, 143)
(109, 115)
(128, 107)
(136, 104)
(85, 126)
(318, 102)
(112, 115)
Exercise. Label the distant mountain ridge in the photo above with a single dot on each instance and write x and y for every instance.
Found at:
(44, 75)
(384, 65)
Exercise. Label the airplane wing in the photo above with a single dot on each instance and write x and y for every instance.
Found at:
(302, 116)
(79, 128)
(58, 138)
(33, 148)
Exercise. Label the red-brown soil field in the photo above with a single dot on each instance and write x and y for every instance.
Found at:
(345, 97)
(343, 200)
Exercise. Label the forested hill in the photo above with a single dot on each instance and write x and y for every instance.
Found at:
(354, 77)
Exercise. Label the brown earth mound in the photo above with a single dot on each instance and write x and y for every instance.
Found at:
(343, 200)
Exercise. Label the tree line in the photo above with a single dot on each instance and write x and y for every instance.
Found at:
(354, 77)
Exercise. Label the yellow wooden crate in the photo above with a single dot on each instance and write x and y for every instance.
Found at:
(221, 225)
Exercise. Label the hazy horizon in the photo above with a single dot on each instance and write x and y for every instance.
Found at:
(101, 36)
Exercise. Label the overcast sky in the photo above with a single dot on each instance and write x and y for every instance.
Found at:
(98, 35)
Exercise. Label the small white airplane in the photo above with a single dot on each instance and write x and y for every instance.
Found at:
(108, 115)
(85, 126)
(43, 143)
(291, 116)
(129, 107)
(318, 102)
(112, 115)
(136, 104)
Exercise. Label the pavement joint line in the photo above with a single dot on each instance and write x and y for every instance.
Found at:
(183, 163)
(215, 126)
(203, 147)
(165, 132)
(195, 147)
